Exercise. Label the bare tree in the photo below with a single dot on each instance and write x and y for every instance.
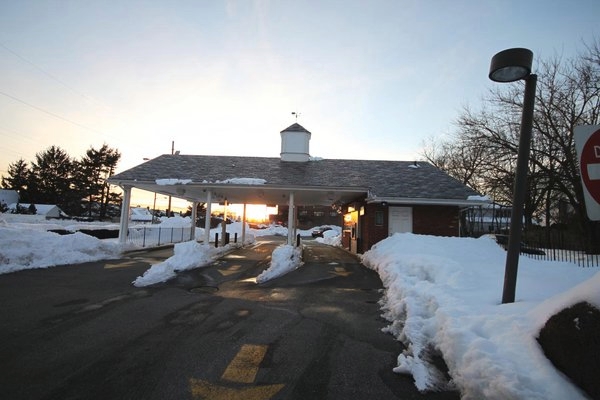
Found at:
(458, 159)
(568, 95)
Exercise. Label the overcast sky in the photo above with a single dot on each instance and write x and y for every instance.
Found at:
(370, 79)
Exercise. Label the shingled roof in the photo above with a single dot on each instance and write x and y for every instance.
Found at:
(374, 180)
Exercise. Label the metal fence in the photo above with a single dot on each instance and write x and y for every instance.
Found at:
(149, 236)
(556, 247)
(579, 257)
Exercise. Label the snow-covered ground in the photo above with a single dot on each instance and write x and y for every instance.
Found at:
(444, 294)
(441, 295)
(27, 244)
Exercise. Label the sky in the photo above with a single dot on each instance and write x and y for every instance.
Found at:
(369, 79)
(439, 292)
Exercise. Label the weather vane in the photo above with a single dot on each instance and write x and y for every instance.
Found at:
(296, 114)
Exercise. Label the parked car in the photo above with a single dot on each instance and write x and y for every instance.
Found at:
(502, 240)
(319, 232)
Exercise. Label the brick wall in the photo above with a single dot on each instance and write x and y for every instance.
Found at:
(436, 220)
(427, 220)
(370, 231)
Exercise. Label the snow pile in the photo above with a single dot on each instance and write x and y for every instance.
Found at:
(442, 295)
(31, 248)
(40, 223)
(186, 255)
(233, 229)
(332, 237)
(479, 198)
(285, 258)
(171, 181)
(244, 181)
(175, 221)
(276, 230)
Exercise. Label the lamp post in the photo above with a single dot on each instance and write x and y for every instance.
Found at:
(512, 65)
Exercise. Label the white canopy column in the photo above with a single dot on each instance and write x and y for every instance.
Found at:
(244, 225)
(207, 220)
(194, 218)
(124, 223)
(291, 220)
(224, 225)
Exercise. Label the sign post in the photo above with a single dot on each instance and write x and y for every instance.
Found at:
(587, 143)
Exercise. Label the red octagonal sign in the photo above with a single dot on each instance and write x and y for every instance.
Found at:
(587, 140)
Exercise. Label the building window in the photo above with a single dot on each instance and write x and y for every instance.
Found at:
(303, 213)
(378, 218)
(318, 213)
(333, 214)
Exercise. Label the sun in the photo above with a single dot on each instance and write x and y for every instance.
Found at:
(254, 212)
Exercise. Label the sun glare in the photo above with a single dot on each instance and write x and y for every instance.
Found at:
(254, 212)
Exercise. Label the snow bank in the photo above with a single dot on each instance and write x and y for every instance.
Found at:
(332, 237)
(244, 181)
(285, 258)
(31, 248)
(176, 221)
(172, 181)
(40, 223)
(186, 255)
(442, 296)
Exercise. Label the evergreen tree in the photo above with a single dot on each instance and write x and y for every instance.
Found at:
(50, 180)
(18, 179)
(91, 179)
(55, 178)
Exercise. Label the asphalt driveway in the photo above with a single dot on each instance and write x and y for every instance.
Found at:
(84, 332)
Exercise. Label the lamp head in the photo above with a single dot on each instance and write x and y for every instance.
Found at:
(511, 65)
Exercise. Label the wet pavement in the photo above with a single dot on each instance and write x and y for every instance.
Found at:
(84, 332)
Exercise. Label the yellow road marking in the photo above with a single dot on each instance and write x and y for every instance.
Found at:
(206, 390)
(341, 271)
(244, 366)
(120, 265)
(241, 370)
(230, 271)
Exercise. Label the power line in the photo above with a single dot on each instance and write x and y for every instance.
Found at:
(45, 72)
(61, 82)
(51, 113)
(10, 133)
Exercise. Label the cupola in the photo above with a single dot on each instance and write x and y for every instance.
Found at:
(294, 143)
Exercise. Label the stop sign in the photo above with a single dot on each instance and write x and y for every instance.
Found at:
(587, 142)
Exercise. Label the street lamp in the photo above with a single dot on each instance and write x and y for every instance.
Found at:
(512, 65)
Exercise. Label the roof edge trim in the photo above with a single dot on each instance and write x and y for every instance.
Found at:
(424, 201)
(214, 185)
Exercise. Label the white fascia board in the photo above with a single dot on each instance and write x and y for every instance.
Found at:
(430, 202)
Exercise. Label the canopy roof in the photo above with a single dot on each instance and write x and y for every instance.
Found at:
(264, 180)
